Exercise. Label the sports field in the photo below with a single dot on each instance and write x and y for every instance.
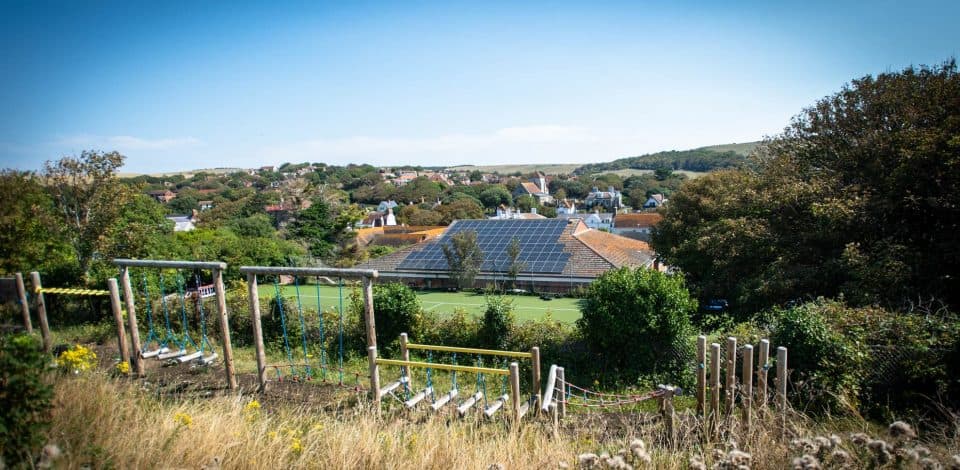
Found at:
(525, 307)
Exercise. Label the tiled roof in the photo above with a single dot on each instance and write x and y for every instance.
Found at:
(592, 252)
(637, 220)
(531, 188)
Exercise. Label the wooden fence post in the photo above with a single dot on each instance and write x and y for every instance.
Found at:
(731, 389)
(701, 375)
(535, 365)
(132, 320)
(561, 377)
(405, 355)
(368, 316)
(714, 386)
(253, 292)
(667, 411)
(374, 377)
(747, 384)
(42, 312)
(224, 328)
(24, 305)
(515, 391)
(782, 377)
(763, 362)
(118, 318)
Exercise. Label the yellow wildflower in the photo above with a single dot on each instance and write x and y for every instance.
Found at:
(272, 434)
(77, 359)
(252, 407)
(123, 367)
(183, 419)
(296, 446)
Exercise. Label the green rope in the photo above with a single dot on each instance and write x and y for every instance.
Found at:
(323, 343)
(303, 329)
(183, 314)
(151, 332)
(482, 381)
(204, 340)
(169, 336)
(283, 325)
(340, 283)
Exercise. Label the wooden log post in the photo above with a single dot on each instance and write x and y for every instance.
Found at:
(224, 328)
(535, 366)
(747, 390)
(117, 309)
(782, 378)
(374, 377)
(669, 416)
(562, 380)
(42, 312)
(763, 365)
(405, 355)
(714, 386)
(129, 300)
(368, 316)
(730, 394)
(253, 292)
(24, 304)
(701, 375)
(515, 391)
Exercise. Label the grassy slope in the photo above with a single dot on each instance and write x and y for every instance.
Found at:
(525, 307)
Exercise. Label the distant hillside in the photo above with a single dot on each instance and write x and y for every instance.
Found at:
(699, 159)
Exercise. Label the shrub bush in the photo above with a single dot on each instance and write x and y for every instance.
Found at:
(25, 399)
(636, 321)
(497, 319)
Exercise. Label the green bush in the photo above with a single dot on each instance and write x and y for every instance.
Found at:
(25, 398)
(397, 309)
(456, 329)
(637, 322)
(826, 367)
(497, 319)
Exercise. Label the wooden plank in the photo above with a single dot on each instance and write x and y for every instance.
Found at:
(446, 398)
(747, 392)
(562, 378)
(118, 320)
(405, 355)
(714, 386)
(155, 352)
(128, 299)
(225, 328)
(368, 317)
(24, 304)
(731, 388)
(42, 313)
(447, 367)
(190, 357)
(496, 406)
(392, 386)
(456, 349)
(782, 377)
(549, 391)
(207, 360)
(253, 292)
(469, 402)
(418, 397)
(171, 354)
(535, 366)
(701, 375)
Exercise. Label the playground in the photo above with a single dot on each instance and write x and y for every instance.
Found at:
(525, 307)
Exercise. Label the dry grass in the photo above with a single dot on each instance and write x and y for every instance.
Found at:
(105, 422)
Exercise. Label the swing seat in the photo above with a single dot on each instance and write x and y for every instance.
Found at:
(207, 360)
(418, 397)
(171, 355)
(444, 399)
(496, 406)
(154, 352)
(391, 387)
(531, 402)
(190, 357)
(469, 402)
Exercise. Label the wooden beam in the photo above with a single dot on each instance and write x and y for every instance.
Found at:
(132, 320)
(24, 304)
(118, 320)
(224, 327)
(42, 312)
(253, 293)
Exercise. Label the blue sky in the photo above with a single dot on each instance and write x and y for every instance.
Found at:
(177, 86)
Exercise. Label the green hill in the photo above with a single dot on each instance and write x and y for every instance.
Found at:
(700, 159)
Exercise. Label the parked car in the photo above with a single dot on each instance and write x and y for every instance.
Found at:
(717, 305)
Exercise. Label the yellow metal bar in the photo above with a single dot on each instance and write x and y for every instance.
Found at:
(71, 291)
(450, 367)
(488, 352)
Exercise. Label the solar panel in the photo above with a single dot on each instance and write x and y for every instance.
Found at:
(539, 249)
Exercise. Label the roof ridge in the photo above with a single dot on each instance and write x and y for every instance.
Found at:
(577, 238)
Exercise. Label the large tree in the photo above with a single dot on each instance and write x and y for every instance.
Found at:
(30, 234)
(859, 196)
(89, 199)
(464, 257)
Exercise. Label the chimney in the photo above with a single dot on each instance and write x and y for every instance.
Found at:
(533, 210)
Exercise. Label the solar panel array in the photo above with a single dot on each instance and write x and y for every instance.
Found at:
(540, 251)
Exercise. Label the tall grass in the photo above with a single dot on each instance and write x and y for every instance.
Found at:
(106, 422)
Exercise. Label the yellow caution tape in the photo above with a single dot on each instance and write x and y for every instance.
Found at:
(71, 291)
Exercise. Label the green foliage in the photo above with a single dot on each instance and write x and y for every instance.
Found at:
(513, 254)
(397, 309)
(377, 251)
(417, 216)
(255, 226)
(858, 197)
(526, 202)
(455, 329)
(691, 160)
(30, 235)
(496, 323)
(315, 225)
(464, 257)
(459, 210)
(25, 399)
(826, 367)
(636, 321)
(494, 196)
